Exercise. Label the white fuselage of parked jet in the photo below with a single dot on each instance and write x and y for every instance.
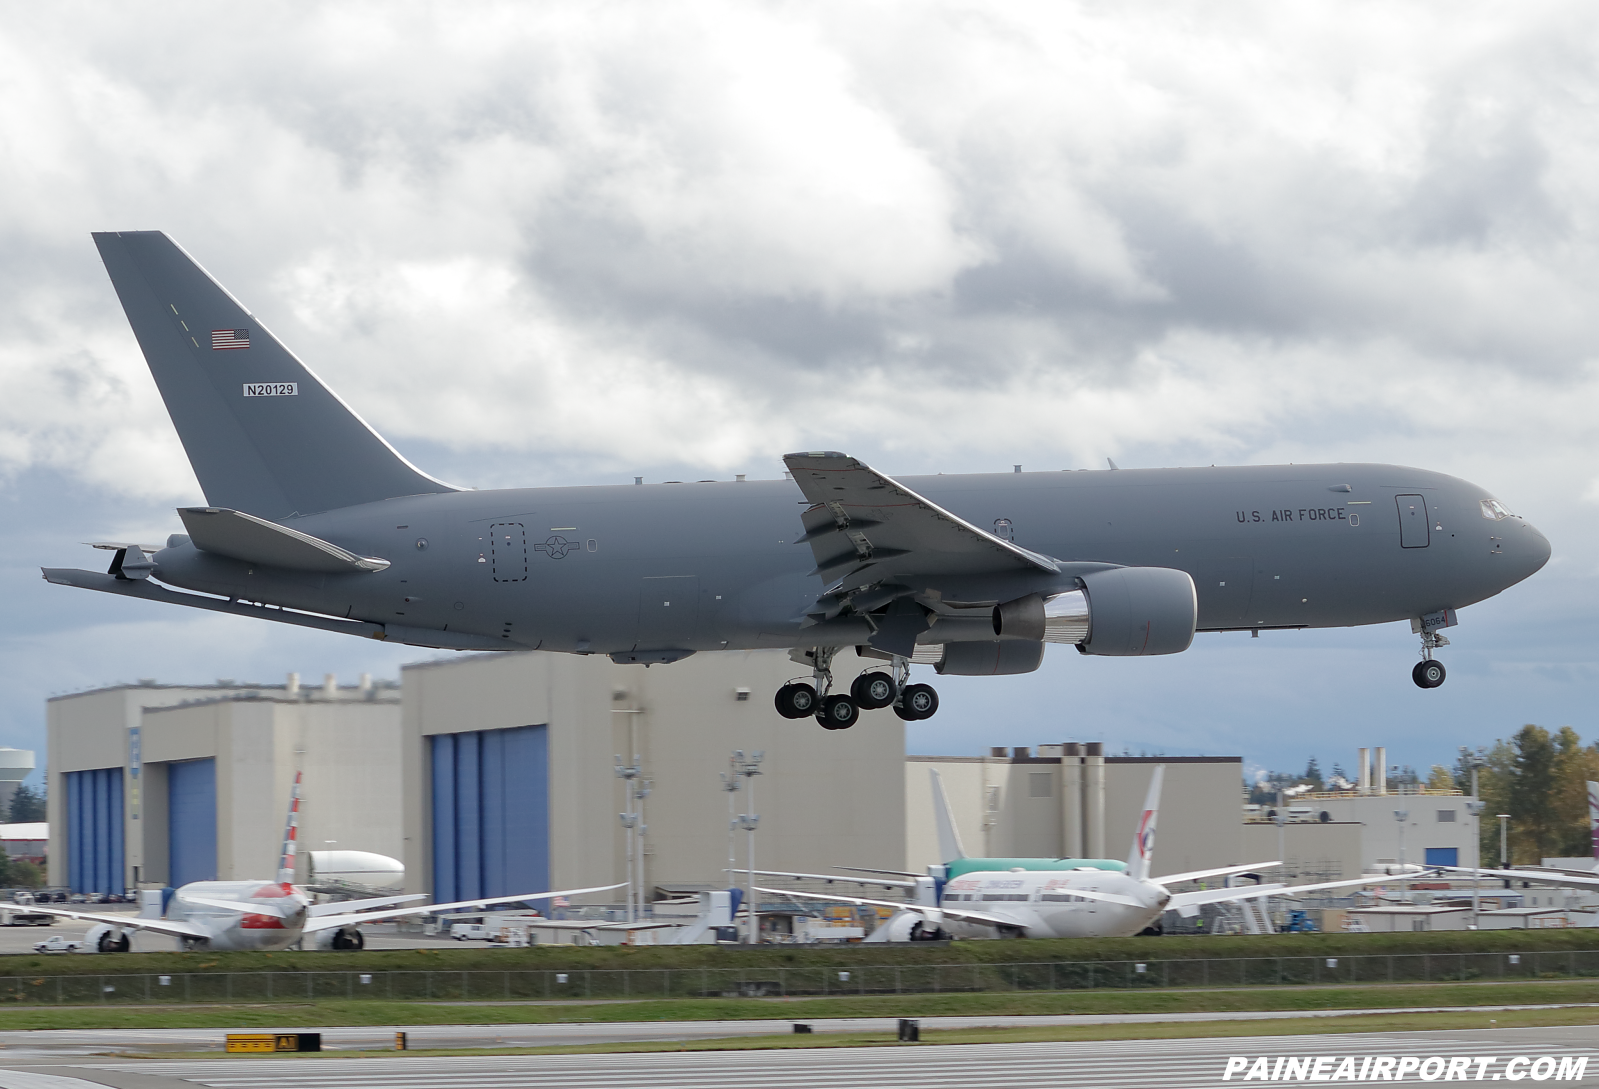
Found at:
(1054, 905)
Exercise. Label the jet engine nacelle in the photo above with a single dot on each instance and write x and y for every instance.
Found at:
(990, 658)
(345, 937)
(105, 938)
(1122, 611)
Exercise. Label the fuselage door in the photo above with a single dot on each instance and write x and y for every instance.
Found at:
(508, 551)
(1413, 521)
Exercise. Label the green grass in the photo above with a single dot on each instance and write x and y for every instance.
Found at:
(369, 1012)
(577, 958)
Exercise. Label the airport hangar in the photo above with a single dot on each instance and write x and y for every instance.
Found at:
(495, 773)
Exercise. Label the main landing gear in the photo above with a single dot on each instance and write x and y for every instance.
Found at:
(1429, 673)
(869, 692)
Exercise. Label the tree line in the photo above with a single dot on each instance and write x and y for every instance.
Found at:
(1539, 778)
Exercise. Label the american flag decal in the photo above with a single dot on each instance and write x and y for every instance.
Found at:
(229, 338)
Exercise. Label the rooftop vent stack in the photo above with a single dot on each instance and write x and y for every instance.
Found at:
(1381, 770)
(366, 683)
(292, 685)
(15, 766)
(330, 685)
(1364, 782)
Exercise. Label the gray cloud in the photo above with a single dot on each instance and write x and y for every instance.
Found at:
(545, 243)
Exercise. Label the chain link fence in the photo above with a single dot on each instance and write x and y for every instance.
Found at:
(755, 982)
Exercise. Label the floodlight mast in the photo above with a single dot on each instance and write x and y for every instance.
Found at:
(632, 822)
(749, 767)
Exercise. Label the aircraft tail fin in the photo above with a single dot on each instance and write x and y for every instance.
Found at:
(949, 837)
(291, 835)
(1143, 852)
(263, 434)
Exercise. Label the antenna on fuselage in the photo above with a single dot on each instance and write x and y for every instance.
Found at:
(949, 837)
(291, 835)
(1138, 861)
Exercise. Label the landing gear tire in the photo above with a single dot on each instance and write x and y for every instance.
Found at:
(1428, 674)
(873, 690)
(838, 713)
(796, 700)
(917, 702)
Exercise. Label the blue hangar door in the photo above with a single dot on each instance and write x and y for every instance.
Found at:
(491, 813)
(94, 831)
(192, 821)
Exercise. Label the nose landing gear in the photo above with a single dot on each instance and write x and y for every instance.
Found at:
(1429, 673)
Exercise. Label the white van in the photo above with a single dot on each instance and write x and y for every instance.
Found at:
(469, 932)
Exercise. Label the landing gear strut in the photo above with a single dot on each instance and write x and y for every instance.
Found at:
(1429, 673)
(869, 691)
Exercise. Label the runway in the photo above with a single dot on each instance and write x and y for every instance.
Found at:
(21, 1045)
(1174, 1064)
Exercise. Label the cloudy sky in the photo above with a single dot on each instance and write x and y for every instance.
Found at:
(542, 243)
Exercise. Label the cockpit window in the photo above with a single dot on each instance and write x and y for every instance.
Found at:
(1493, 510)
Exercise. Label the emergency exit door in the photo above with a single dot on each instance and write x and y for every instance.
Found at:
(1413, 521)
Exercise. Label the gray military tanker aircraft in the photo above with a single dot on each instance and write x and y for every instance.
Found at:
(314, 519)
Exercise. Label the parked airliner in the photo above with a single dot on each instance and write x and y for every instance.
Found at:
(1091, 900)
(267, 915)
(311, 518)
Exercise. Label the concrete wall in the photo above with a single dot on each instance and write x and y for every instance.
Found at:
(825, 798)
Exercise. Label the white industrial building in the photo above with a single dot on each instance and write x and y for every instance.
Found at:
(491, 774)
(484, 774)
(164, 784)
(1072, 801)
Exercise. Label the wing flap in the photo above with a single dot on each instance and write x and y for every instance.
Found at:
(1224, 871)
(255, 540)
(863, 519)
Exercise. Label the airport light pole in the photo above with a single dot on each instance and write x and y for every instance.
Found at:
(628, 773)
(730, 787)
(1504, 841)
(749, 767)
(1474, 807)
(1401, 815)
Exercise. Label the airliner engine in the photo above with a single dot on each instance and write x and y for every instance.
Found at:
(1123, 611)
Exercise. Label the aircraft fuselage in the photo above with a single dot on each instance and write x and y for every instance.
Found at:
(714, 565)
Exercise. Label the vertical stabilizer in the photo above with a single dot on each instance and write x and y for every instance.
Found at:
(263, 434)
(291, 835)
(1143, 852)
(949, 837)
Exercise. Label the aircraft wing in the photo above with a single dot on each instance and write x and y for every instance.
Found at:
(884, 881)
(1542, 877)
(340, 907)
(1200, 875)
(1182, 900)
(174, 927)
(861, 519)
(1365, 879)
(329, 922)
(900, 905)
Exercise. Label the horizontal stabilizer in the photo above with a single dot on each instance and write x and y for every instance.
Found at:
(255, 540)
(393, 633)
